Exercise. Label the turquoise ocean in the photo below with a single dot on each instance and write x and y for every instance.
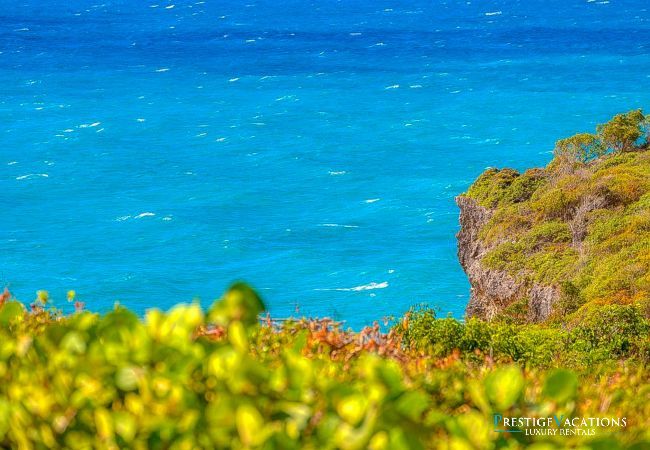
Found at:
(154, 151)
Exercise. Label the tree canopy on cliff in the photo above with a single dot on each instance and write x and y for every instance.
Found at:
(624, 132)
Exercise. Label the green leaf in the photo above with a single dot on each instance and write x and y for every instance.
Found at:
(104, 423)
(239, 303)
(237, 337)
(561, 385)
(125, 425)
(73, 342)
(127, 378)
(352, 408)
(10, 311)
(5, 414)
(504, 387)
(249, 425)
(412, 404)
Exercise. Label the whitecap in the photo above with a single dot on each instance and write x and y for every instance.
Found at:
(232, 80)
(170, 7)
(394, 86)
(140, 120)
(372, 200)
(11, 163)
(32, 175)
(163, 69)
(122, 218)
(221, 139)
(144, 214)
(370, 286)
(337, 225)
(363, 287)
(494, 13)
(285, 97)
(337, 172)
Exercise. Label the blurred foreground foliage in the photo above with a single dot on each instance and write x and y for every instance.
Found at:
(189, 379)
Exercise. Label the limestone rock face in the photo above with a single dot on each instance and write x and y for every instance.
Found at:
(493, 290)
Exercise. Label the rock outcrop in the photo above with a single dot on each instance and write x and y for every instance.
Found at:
(494, 290)
(548, 242)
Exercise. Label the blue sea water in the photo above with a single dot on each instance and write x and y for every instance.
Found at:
(154, 151)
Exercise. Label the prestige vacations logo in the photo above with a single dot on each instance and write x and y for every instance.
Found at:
(556, 425)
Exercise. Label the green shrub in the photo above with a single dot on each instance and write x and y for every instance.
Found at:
(492, 186)
(581, 148)
(175, 381)
(611, 329)
(624, 132)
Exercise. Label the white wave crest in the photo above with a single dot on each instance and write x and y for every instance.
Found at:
(363, 287)
(337, 225)
(32, 175)
(144, 214)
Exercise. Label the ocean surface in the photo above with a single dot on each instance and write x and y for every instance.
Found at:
(154, 151)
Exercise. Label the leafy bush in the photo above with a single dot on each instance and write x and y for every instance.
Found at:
(609, 328)
(178, 380)
(624, 132)
(595, 333)
(582, 147)
(492, 186)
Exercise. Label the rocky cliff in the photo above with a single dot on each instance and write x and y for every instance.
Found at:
(493, 290)
(544, 243)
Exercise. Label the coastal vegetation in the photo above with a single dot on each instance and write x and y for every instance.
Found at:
(580, 226)
(187, 379)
